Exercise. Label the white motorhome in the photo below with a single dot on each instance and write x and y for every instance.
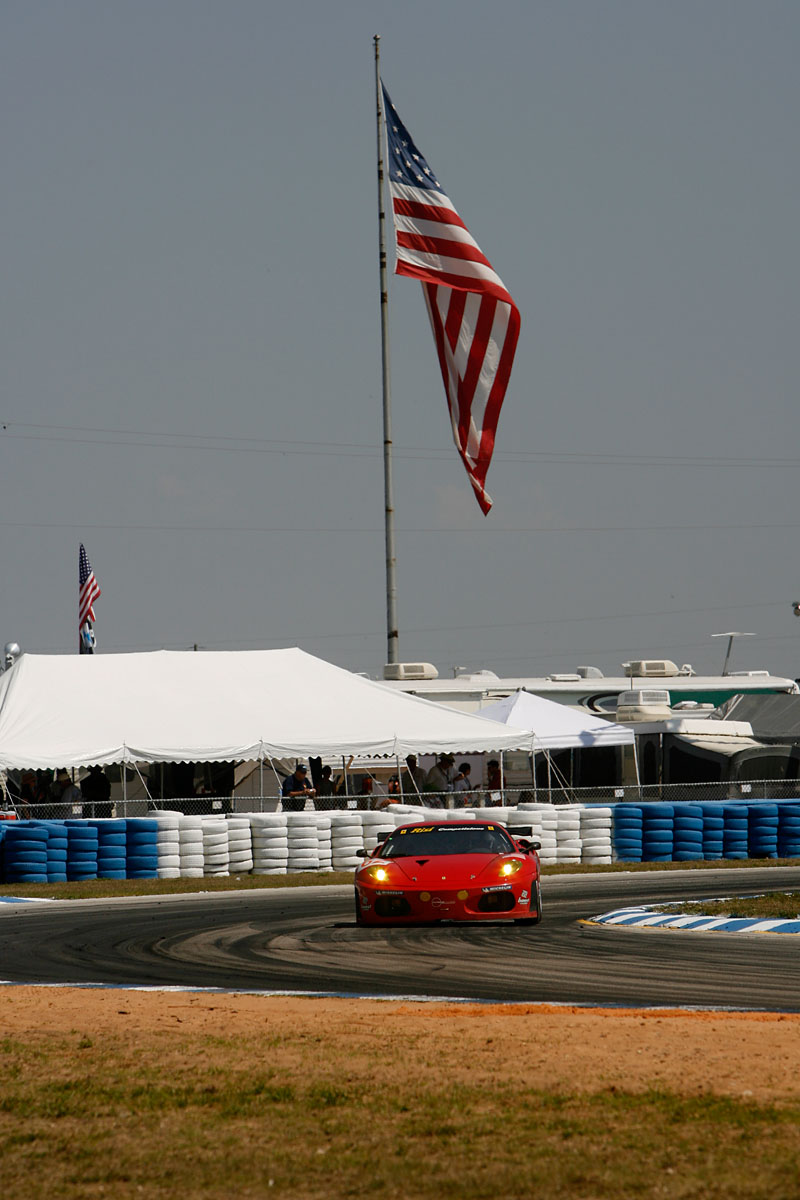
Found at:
(586, 687)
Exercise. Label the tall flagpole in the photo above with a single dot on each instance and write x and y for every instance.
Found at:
(391, 561)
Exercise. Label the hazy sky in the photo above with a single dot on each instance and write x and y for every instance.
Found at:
(189, 329)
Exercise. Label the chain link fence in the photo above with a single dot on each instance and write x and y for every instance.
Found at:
(757, 789)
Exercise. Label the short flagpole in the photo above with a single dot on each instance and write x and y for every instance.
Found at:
(391, 560)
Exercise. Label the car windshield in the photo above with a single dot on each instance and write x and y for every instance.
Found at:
(427, 841)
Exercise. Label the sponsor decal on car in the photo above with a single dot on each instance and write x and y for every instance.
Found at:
(497, 887)
(438, 902)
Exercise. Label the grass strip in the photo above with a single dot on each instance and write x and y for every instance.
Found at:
(89, 889)
(216, 1118)
(770, 906)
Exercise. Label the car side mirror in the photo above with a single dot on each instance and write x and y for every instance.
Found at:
(362, 853)
(536, 845)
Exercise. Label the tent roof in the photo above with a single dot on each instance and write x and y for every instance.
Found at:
(555, 726)
(184, 706)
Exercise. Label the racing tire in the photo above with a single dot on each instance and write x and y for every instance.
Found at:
(536, 918)
(359, 918)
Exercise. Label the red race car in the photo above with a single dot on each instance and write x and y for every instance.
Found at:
(450, 871)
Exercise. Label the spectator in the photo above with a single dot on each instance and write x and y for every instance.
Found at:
(327, 790)
(412, 781)
(365, 792)
(64, 795)
(393, 795)
(494, 782)
(96, 793)
(295, 790)
(32, 794)
(439, 781)
(462, 785)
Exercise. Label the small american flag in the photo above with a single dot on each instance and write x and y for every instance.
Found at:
(475, 322)
(88, 591)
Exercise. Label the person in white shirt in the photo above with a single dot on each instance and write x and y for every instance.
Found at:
(462, 785)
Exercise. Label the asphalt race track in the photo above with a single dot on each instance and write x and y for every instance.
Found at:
(305, 939)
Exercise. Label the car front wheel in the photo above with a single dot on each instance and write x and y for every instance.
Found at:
(536, 907)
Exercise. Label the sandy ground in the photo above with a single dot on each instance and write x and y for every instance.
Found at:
(745, 1055)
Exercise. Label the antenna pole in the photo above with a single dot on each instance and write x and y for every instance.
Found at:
(392, 655)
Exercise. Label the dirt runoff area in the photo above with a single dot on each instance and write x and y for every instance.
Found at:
(754, 1056)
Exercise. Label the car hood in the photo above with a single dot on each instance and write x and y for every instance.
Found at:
(449, 870)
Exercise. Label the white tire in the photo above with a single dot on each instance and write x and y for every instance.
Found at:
(191, 862)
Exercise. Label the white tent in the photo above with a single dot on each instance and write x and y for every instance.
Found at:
(183, 706)
(555, 726)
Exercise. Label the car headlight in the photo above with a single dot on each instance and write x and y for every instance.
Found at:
(510, 868)
(377, 874)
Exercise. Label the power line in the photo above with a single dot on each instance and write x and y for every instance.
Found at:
(250, 444)
(164, 527)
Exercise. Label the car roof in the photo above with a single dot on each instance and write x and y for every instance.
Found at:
(454, 824)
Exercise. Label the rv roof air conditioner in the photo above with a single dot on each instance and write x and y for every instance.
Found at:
(401, 671)
(650, 668)
(647, 704)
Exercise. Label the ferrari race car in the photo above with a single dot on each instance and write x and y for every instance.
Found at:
(450, 871)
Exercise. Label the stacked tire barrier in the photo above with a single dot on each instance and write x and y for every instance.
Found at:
(595, 831)
(762, 830)
(658, 832)
(216, 851)
(141, 848)
(240, 846)
(171, 846)
(82, 844)
(347, 838)
(303, 842)
(111, 858)
(734, 831)
(56, 843)
(628, 844)
(270, 843)
(190, 847)
(789, 831)
(24, 853)
(713, 831)
(168, 843)
(687, 845)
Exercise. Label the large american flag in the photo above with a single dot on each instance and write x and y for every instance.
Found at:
(475, 322)
(88, 591)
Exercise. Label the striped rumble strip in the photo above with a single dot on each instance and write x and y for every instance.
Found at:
(645, 918)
